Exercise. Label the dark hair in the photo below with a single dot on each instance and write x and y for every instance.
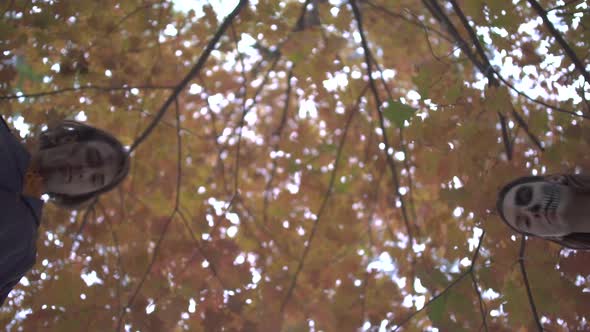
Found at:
(572, 240)
(72, 131)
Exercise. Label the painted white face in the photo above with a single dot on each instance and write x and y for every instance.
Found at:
(78, 167)
(538, 208)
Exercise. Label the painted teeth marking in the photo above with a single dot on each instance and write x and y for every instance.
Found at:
(550, 198)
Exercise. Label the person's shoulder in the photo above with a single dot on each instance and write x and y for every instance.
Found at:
(19, 213)
(5, 130)
(3, 124)
(18, 238)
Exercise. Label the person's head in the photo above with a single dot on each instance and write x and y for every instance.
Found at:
(540, 206)
(78, 162)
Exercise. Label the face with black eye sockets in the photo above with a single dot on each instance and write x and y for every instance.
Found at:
(534, 208)
(75, 168)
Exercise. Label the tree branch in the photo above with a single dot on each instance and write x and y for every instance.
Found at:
(439, 15)
(191, 74)
(88, 87)
(525, 126)
(201, 250)
(487, 69)
(403, 148)
(505, 137)
(120, 268)
(373, 87)
(323, 205)
(484, 66)
(242, 119)
(417, 22)
(276, 135)
(456, 281)
(482, 308)
(373, 198)
(527, 285)
(166, 225)
(555, 108)
(568, 50)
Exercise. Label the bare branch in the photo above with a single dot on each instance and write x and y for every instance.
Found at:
(566, 47)
(416, 22)
(438, 14)
(277, 136)
(482, 307)
(456, 281)
(120, 269)
(505, 137)
(201, 250)
(373, 198)
(166, 225)
(402, 147)
(191, 74)
(555, 108)
(527, 285)
(490, 75)
(484, 66)
(373, 87)
(323, 205)
(87, 87)
(526, 129)
(487, 69)
(240, 129)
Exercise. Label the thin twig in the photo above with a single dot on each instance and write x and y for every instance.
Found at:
(456, 281)
(482, 309)
(128, 15)
(166, 225)
(276, 135)
(526, 129)
(526, 283)
(540, 102)
(438, 14)
(373, 198)
(87, 87)
(403, 148)
(505, 137)
(120, 271)
(417, 22)
(484, 67)
(201, 250)
(240, 129)
(487, 69)
(323, 205)
(373, 87)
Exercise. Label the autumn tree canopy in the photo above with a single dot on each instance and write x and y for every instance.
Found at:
(304, 165)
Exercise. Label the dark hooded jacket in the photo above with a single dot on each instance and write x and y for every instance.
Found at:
(19, 215)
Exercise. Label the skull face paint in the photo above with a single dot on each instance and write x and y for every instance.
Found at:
(538, 208)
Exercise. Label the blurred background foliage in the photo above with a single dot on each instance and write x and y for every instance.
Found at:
(332, 166)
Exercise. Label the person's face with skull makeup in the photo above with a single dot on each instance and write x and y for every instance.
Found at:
(539, 208)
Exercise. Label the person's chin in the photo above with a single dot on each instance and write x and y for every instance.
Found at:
(52, 187)
(560, 222)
